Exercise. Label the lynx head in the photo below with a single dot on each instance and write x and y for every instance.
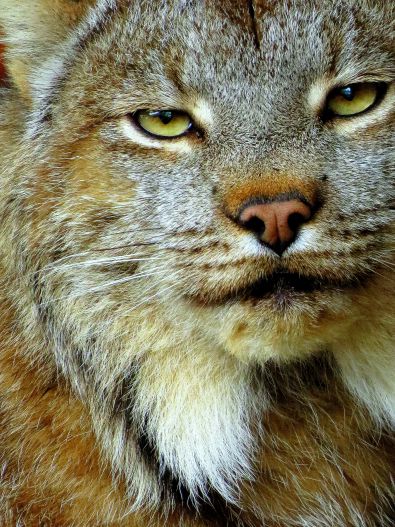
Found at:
(200, 188)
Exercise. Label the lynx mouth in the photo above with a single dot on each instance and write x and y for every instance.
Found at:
(284, 282)
(281, 287)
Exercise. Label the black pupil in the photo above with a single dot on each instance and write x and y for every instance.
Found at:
(348, 93)
(165, 116)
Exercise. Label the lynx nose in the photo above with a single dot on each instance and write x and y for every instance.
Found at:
(276, 223)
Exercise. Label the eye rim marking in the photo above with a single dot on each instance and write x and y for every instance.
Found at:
(328, 114)
(192, 128)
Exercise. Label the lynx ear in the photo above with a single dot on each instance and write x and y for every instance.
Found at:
(32, 29)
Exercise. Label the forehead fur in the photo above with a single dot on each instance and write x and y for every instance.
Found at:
(177, 44)
(326, 35)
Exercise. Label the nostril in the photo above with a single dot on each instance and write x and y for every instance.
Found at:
(295, 220)
(254, 224)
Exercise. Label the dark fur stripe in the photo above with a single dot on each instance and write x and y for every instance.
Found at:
(251, 10)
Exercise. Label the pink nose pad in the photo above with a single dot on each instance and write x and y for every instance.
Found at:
(276, 223)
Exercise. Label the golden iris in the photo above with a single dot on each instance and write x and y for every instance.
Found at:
(164, 123)
(353, 99)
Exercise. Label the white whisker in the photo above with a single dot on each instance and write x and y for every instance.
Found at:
(52, 269)
(158, 271)
(156, 295)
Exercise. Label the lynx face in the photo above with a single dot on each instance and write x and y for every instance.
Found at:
(202, 190)
(261, 132)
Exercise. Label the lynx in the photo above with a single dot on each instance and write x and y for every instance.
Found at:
(196, 252)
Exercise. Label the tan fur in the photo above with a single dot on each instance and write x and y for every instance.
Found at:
(142, 381)
(268, 185)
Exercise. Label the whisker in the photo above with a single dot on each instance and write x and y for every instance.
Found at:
(383, 263)
(103, 260)
(149, 243)
(53, 268)
(125, 279)
(101, 287)
(152, 297)
(126, 246)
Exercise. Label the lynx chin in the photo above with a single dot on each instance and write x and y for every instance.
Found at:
(197, 263)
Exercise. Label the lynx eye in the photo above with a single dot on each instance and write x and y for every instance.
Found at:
(354, 99)
(165, 124)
